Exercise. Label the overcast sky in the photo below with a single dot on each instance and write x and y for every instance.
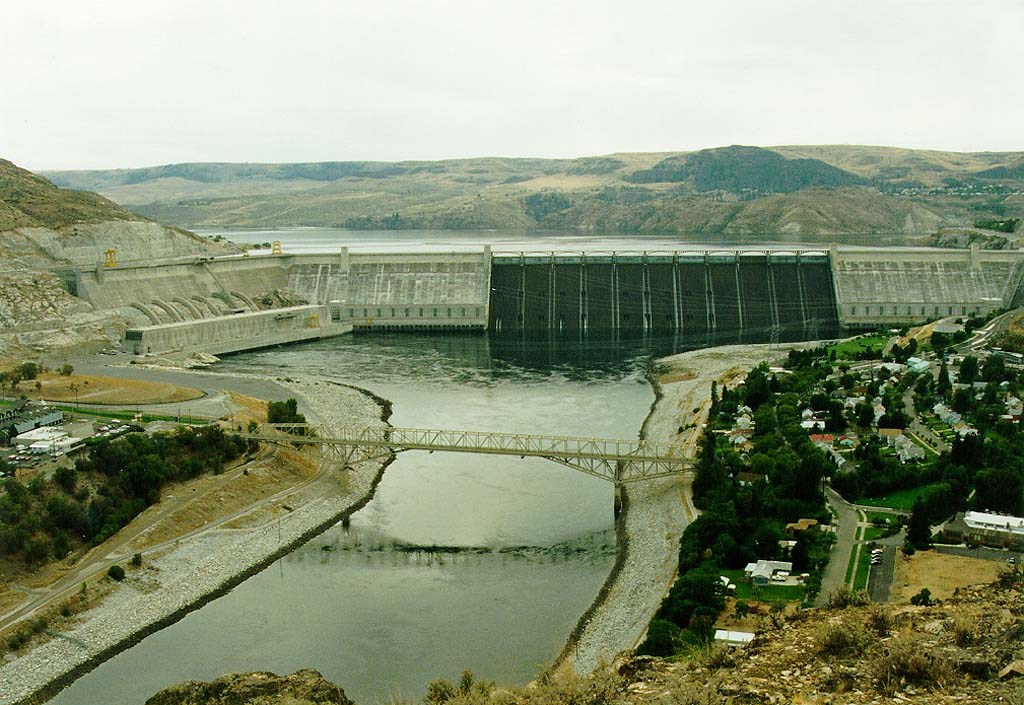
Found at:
(122, 83)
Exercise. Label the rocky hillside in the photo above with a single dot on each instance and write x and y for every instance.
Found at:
(967, 650)
(732, 191)
(42, 225)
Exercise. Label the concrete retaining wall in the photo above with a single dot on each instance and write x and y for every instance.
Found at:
(244, 331)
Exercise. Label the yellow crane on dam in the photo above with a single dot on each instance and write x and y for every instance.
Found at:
(618, 461)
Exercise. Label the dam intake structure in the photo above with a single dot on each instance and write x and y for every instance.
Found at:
(660, 294)
(194, 303)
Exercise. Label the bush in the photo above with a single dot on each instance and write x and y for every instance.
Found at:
(962, 627)
(662, 639)
(923, 598)
(842, 640)
(880, 620)
(905, 661)
(136, 560)
(438, 692)
(843, 597)
(38, 625)
(116, 572)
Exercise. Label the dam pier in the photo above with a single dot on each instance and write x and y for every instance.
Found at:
(228, 304)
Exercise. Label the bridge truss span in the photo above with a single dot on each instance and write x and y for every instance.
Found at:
(618, 461)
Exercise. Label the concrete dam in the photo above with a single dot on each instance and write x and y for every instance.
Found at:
(233, 303)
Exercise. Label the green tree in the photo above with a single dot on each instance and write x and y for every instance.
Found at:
(1000, 490)
(65, 477)
(994, 369)
(919, 533)
(865, 414)
(969, 370)
(943, 385)
(758, 389)
(116, 572)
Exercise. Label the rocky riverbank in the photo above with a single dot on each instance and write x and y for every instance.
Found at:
(176, 581)
(656, 512)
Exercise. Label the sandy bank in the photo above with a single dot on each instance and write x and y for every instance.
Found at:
(656, 512)
(195, 570)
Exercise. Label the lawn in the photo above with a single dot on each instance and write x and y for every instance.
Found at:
(850, 564)
(848, 349)
(768, 593)
(901, 499)
(863, 565)
(875, 532)
(880, 517)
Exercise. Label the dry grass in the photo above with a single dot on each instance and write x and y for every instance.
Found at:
(843, 640)
(880, 620)
(963, 626)
(940, 573)
(906, 661)
(248, 409)
(94, 389)
(210, 498)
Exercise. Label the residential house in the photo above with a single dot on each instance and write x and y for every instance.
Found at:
(797, 527)
(761, 573)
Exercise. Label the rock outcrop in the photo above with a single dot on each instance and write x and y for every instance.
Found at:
(305, 687)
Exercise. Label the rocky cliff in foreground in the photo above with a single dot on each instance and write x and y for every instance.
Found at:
(967, 650)
(306, 687)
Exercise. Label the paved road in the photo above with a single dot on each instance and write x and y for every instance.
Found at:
(988, 554)
(846, 535)
(880, 576)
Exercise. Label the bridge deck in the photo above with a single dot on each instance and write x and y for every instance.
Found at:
(610, 459)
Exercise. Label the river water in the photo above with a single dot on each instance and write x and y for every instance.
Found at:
(459, 561)
(382, 620)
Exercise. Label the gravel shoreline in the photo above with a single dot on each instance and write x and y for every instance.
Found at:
(197, 570)
(655, 512)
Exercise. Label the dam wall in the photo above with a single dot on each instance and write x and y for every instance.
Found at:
(630, 294)
(655, 294)
(387, 291)
(233, 333)
(188, 290)
(899, 286)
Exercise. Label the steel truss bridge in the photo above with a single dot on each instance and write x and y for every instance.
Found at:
(613, 460)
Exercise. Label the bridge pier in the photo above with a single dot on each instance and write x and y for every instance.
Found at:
(619, 490)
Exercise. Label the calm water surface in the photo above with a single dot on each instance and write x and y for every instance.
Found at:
(383, 621)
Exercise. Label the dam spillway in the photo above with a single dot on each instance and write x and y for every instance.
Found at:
(595, 294)
(660, 294)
